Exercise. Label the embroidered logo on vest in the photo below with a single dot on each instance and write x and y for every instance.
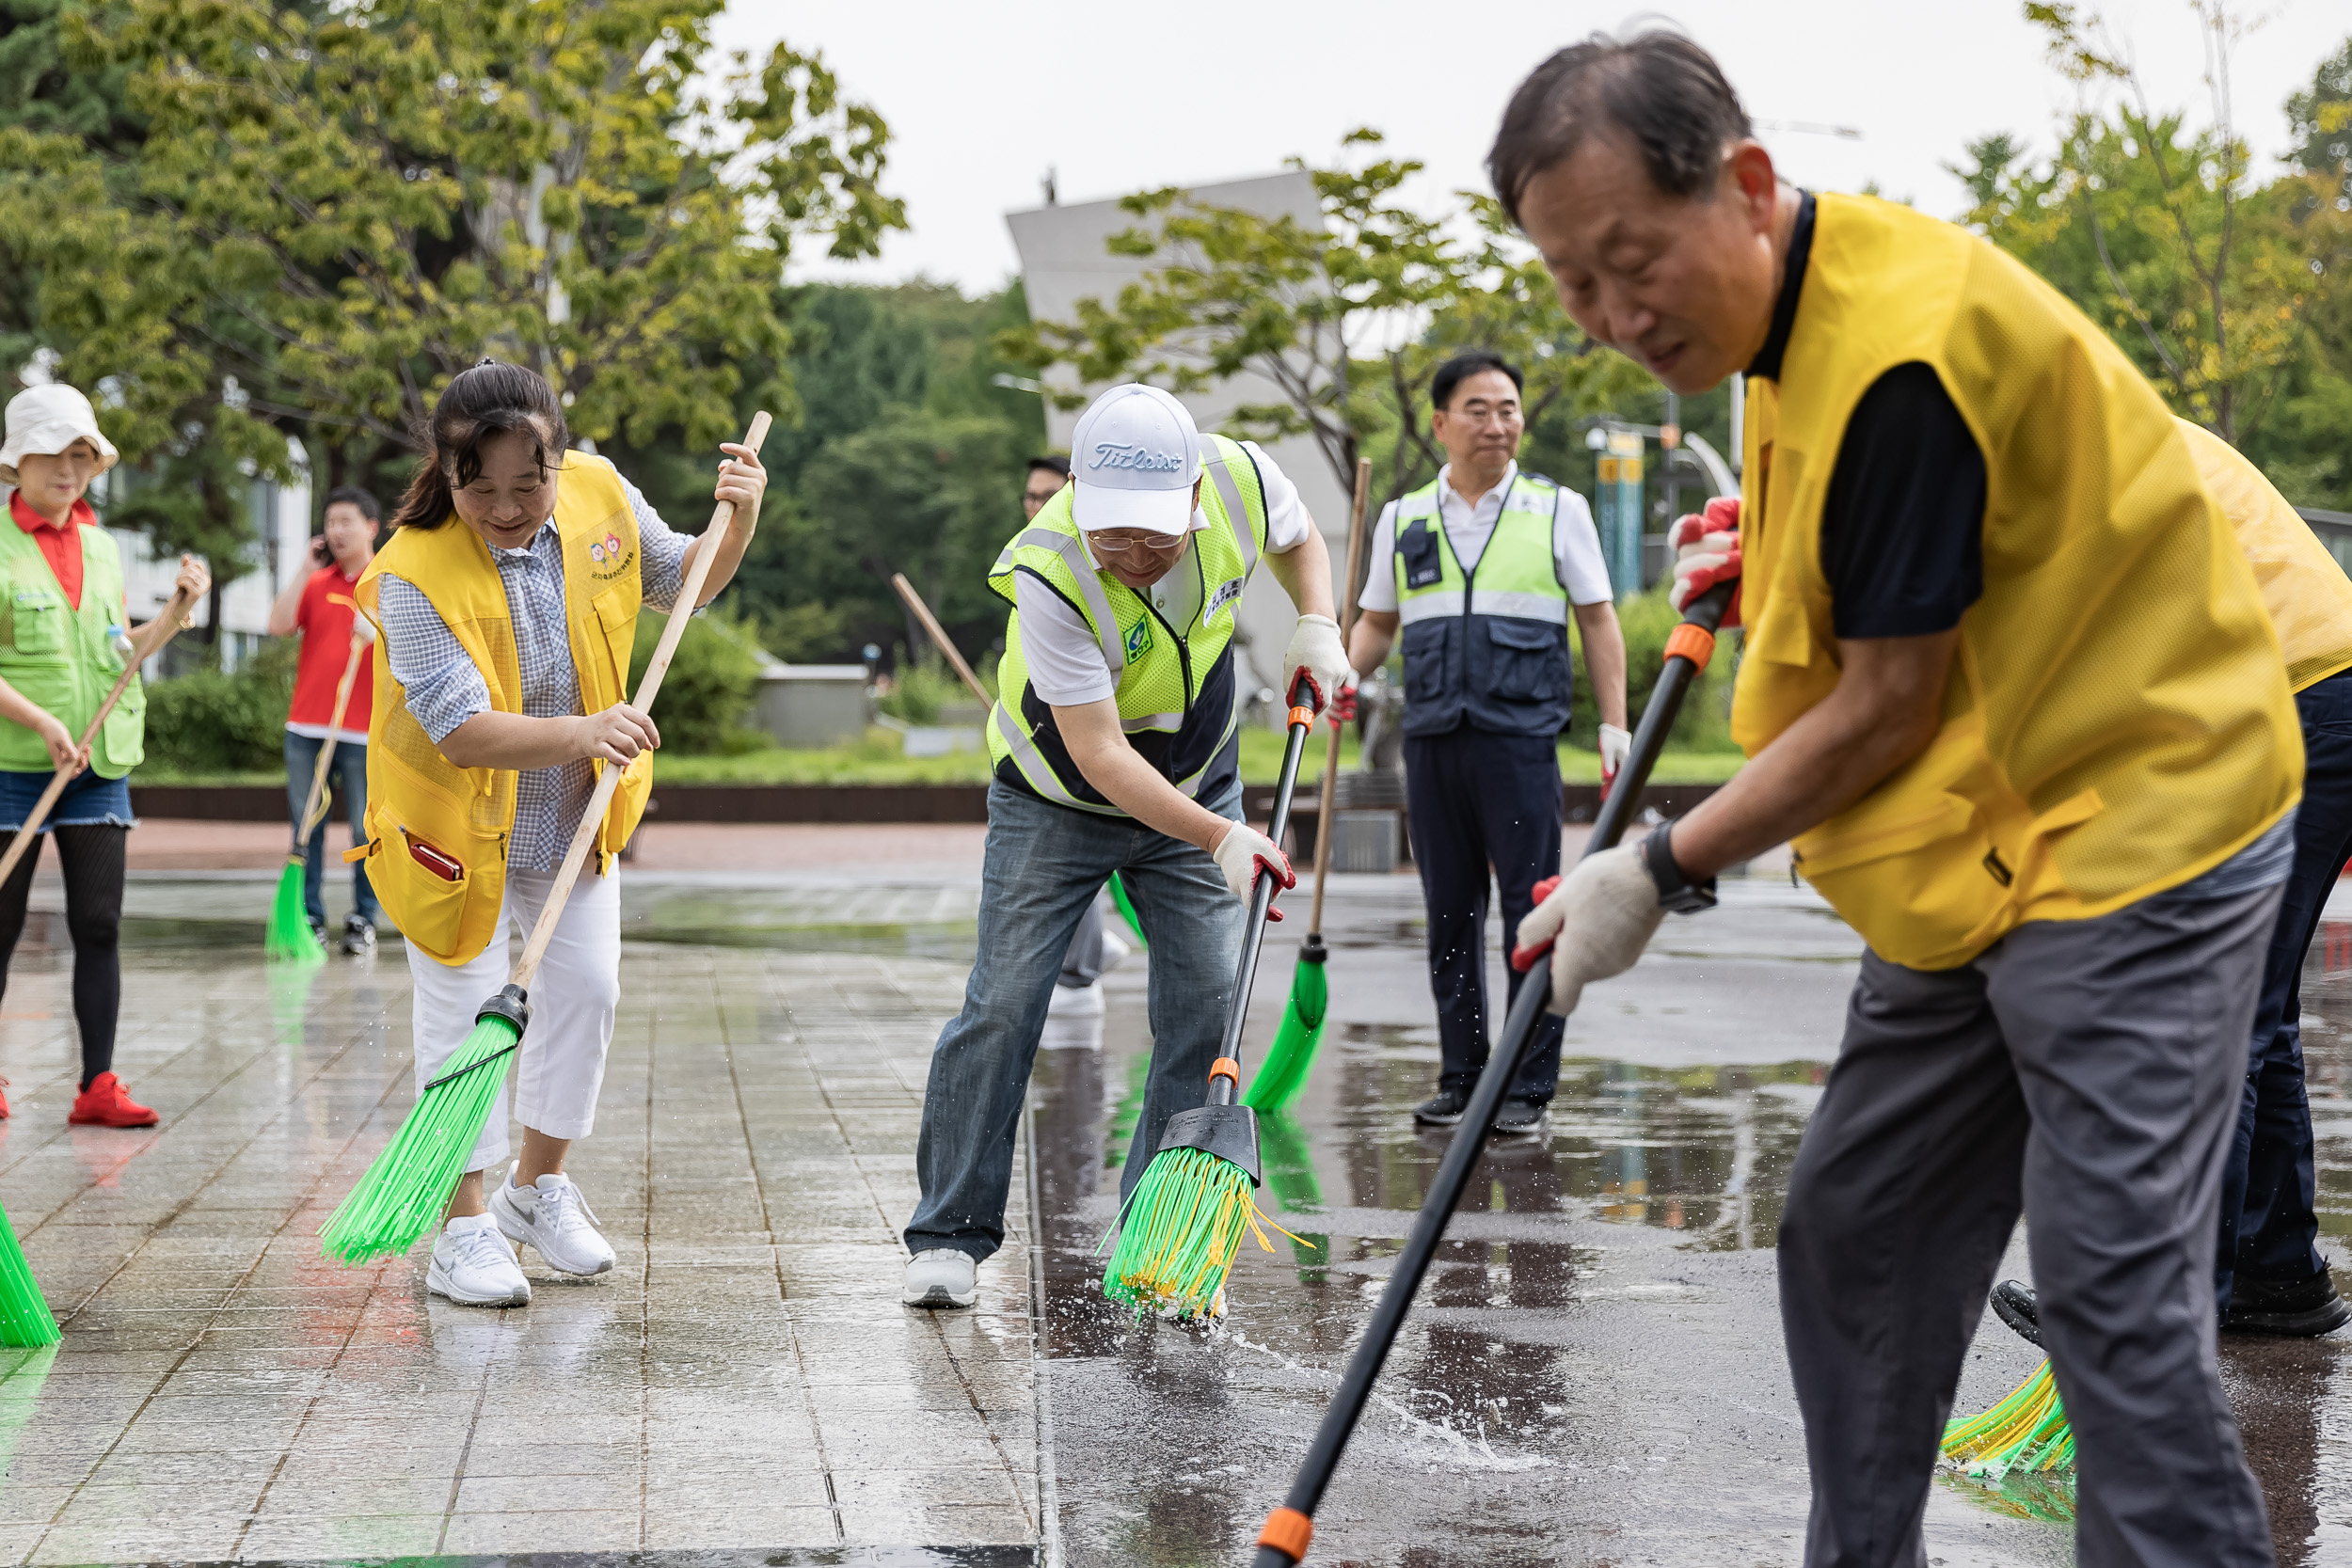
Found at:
(1139, 638)
(1226, 594)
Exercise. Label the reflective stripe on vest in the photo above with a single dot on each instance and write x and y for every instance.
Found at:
(2107, 734)
(1486, 646)
(1174, 685)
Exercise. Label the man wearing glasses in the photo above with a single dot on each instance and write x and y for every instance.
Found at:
(1482, 568)
(1115, 738)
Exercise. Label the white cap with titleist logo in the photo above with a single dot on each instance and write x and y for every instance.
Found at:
(1135, 457)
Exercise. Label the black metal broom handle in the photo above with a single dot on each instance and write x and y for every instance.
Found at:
(1470, 1139)
(1222, 1089)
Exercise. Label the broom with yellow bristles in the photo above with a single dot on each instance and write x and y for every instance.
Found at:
(290, 938)
(2026, 1431)
(404, 1194)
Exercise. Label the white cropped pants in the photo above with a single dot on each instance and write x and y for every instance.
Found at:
(573, 999)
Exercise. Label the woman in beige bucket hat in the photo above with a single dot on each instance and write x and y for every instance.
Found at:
(63, 636)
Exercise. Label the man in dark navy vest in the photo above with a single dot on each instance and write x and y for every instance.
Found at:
(1481, 568)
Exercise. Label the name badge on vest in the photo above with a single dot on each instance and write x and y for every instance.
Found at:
(1419, 549)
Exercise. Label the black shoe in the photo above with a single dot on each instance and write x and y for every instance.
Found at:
(2303, 1309)
(2014, 1304)
(359, 937)
(1521, 1118)
(1442, 1109)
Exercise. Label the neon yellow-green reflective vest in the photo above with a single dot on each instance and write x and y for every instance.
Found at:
(64, 659)
(1488, 647)
(1175, 684)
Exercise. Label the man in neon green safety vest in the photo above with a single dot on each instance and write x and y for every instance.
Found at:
(1481, 569)
(1116, 741)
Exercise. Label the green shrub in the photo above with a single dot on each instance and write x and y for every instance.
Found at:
(713, 678)
(214, 722)
(920, 689)
(1705, 721)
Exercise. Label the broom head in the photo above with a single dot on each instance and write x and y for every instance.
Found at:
(2026, 1432)
(291, 939)
(1127, 909)
(26, 1321)
(404, 1194)
(1181, 1230)
(1292, 1054)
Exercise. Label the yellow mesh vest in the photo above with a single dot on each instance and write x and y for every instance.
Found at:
(2117, 718)
(1174, 683)
(2308, 597)
(414, 793)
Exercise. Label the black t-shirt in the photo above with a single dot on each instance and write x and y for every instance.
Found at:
(1903, 527)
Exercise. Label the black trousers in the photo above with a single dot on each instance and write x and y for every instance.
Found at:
(1479, 801)
(91, 856)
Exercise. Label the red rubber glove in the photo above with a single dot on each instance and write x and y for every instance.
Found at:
(1523, 958)
(1706, 552)
(1342, 709)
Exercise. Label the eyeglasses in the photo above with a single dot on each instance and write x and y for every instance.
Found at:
(1106, 543)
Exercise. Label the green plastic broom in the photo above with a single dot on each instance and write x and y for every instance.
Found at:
(1292, 1055)
(291, 939)
(403, 1194)
(26, 1321)
(1181, 1228)
(2027, 1433)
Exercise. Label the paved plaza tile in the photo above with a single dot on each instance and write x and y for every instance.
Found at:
(744, 1380)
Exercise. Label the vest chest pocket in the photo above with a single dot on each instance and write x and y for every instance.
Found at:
(1417, 549)
(1526, 661)
(37, 623)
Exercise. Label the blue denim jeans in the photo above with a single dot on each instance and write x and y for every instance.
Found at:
(1043, 865)
(2269, 1229)
(350, 770)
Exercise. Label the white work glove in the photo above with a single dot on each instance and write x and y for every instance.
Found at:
(1316, 654)
(1706, 552)
(1596, 921)
(1242, 853)
(1615, 743)
(364, 629)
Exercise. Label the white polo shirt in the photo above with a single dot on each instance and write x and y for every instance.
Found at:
(1575, 542)
(1065, 659)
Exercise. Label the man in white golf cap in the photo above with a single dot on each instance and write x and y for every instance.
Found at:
(1115, 738)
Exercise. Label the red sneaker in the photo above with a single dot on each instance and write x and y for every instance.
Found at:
(106, 1103)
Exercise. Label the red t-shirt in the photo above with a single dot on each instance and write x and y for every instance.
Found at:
(60, 546)
(323, 618)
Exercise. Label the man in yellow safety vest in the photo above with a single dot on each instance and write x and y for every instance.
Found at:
(2008, 687)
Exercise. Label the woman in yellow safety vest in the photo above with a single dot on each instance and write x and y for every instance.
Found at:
(507, 598)
(62, 643)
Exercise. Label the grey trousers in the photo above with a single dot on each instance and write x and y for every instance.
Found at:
(2088, 1070)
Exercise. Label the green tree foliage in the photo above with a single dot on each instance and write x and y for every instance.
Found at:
(1313, 306)
(2209, 281)
(712, 680)
(328, 210)
(904, 454)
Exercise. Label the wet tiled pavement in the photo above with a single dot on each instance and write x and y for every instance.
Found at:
(745, 1378)
(1593, 1376)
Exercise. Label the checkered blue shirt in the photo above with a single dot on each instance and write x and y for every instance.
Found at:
(444, 688)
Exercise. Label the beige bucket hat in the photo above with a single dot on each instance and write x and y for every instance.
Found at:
(44, 420)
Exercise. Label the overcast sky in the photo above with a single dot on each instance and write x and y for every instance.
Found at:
(981, 99)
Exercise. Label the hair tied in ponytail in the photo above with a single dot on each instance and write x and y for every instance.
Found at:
(489, 399)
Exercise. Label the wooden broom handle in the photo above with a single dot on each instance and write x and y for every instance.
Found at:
(162, 630)
(609, 777)
(938, 635)
(1347, 624)
(314, 809)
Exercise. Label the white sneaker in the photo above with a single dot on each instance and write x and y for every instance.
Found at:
(555, 1218)
(1114, 949)
(942, 1278)
(474, 1266)
(1075, 1001)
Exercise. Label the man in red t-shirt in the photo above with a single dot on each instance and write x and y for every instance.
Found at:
(319, 606)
